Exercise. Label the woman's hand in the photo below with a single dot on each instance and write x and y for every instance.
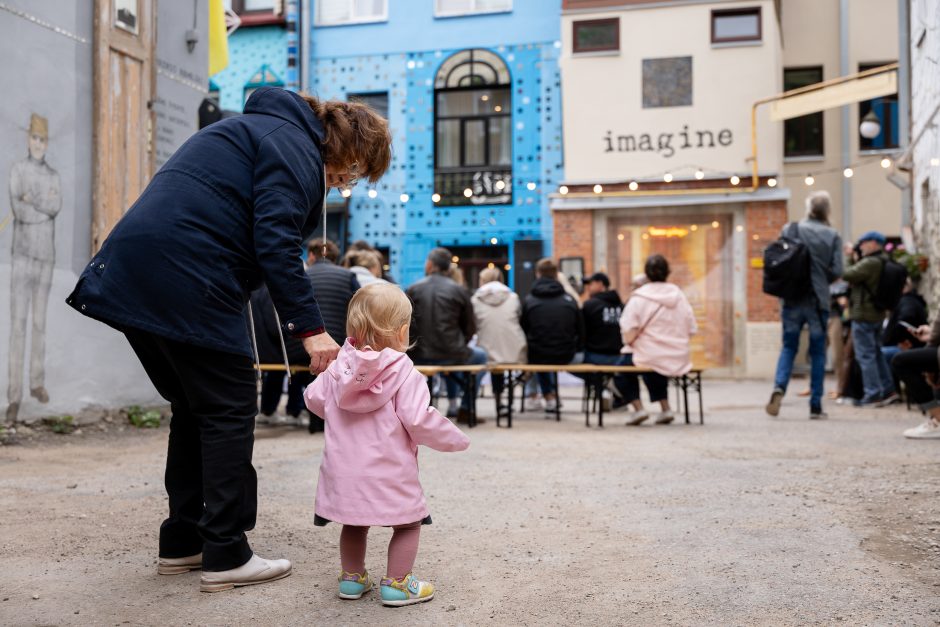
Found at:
(922, 333)
(322, 350)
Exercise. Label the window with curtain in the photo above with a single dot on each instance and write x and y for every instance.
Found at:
(803, 136)
(445, 8)
(337, 12)
(473, 130)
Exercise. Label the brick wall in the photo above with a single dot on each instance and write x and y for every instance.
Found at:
(574, 236)
(763, 220)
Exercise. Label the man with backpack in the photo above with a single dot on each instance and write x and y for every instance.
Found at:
(876, 285)
(811, 257)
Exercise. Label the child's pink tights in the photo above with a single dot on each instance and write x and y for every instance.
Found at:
(402, 549)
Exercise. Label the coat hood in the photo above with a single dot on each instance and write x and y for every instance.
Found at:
(365, 380)
(288, 106)
(915, 297)
(661, 293)
(493, 293)
(609, 297)
(547, 288)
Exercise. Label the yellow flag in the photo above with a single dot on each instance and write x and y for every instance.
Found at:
(218, 37)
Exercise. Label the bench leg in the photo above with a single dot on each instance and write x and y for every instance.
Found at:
(586, 402)
(471, 389)
(557, 398)
(685, 397)
(600, 384)
(698, 388)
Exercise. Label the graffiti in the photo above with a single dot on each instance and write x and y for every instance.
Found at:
(35, 199)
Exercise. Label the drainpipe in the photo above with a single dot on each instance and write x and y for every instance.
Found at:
(904, 98)
(846, 126)
(291, 19)
(304, 52)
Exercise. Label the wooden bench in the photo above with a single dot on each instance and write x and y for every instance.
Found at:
(468, 382)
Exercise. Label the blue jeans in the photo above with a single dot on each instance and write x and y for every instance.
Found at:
(477, 358)
(793, 319)
(876, 376)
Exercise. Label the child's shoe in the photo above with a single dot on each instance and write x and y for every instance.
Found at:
(405, 591)
(353, 585)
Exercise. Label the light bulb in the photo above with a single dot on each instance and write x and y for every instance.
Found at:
(455, 259)
(598, 188)
(699, 175)
(935, 161)
(667, 177)
(507, 267)
(848, 172)
(403, 198)
(771, 182)
(563, 190)
(373, 193)
(346, 193)
(500, 185)
(715, 224)
(739, 228)
(468, 192)
(435, 197)
(886, 163)
(634, 186)
(809, 180)
(735, 179)
(530, 186)
(494, 241)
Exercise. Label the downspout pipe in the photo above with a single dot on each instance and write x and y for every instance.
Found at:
(846, 135)
(904, 99)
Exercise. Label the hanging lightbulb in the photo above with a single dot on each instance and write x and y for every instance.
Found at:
(403, 198)
(507, 267)
(735, 179)
(771, 182)
(346, 193)
(634, 186)
(598, 188)
(870, 126)
(468, 192)
(435, 197)
(530, 186)
(886, 163)
(373, 193)
(809, 180)
(848, 173)
(715, 224)
(455, 259)
(667, 177)
(699, 175)
(494, 241)
(500, 185)
(563, 190)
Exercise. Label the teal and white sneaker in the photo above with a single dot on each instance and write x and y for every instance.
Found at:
(405, 591)
(353, 585)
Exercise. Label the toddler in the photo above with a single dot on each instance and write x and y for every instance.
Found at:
(377, 411)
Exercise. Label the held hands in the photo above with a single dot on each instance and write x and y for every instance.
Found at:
(322, 350)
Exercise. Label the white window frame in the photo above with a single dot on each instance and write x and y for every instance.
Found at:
(472, 11)
(353, 20)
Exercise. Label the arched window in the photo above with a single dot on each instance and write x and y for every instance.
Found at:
(473, 130)
(264, 77)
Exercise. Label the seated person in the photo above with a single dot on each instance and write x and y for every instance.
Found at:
(918, 368)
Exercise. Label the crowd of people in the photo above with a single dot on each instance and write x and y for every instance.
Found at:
(862, 304)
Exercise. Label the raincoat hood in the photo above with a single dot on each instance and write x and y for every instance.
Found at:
(365, 380)
(493, 293)
(288, 106)
(665, 294)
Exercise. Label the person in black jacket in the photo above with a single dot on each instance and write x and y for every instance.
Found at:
(602, 338)
(442, 324)
(553, 324)
(230, 210)
(911, 310)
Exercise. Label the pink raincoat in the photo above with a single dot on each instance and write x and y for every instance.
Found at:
(665, 316)
(377, 411)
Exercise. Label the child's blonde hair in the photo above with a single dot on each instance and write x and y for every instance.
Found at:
(376, 314)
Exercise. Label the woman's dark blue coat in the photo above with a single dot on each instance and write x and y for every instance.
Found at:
(228, 211)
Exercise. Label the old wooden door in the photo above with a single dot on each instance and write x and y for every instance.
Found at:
(125, 36)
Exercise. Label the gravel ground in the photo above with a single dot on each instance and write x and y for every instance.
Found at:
(745, 521)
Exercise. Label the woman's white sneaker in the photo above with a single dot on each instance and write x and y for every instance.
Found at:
(665, 417)
(930, 429)
(635, 418)
(254, 571)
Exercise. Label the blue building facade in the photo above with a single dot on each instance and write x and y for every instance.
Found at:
(257, 56)
(474, 105)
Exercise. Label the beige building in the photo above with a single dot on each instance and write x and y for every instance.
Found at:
(657, 103)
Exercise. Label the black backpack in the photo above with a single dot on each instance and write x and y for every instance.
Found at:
(887, 294)
(787, 266)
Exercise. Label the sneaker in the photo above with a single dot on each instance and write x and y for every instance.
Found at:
(928, 430)
(613, 389)
(353, 585)
(405, 591)
(817, 414)
(773, 406)
(534, 403)
(664, 417)
(179, 565)
(254, 571)
(890, 399)
(635, 418)
(867, 402)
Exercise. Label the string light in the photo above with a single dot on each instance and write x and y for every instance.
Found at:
(809, 180)
(634, 186)
(563, 190)
(500, 185)
(739, 228)
(715, 224)
(455, 259)
(848, 172)
(403, 198)
(735, 179)
(694, 227)
(346, 193)
(886, 163)
(494, 241)
(507, 267)
(435, 197)
(530, 186)
(497, 108)
(620, 236)
(699, 175)
(468, 192)
(373, 193)
(598, 188)
(935, 161)
(771, 182)
(667, 177)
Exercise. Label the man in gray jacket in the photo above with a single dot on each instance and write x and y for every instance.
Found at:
(812, 307)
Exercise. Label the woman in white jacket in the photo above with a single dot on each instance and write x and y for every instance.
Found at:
(366, 265)
(497, 310)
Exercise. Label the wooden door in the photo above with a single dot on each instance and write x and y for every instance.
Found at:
(124, 83)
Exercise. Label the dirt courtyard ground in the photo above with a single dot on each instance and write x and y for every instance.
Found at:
(745, 521)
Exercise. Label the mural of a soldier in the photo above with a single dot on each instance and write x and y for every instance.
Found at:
(36, 199)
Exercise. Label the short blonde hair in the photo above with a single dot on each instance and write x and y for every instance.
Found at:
(368, 259)
(488, 275)
(376, 314)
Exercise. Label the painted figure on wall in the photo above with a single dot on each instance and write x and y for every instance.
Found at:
(36, 199)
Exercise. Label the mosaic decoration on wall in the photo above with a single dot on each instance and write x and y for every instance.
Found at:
(667, 82)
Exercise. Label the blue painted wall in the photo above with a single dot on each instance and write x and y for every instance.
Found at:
(402, 56)
(249, 48)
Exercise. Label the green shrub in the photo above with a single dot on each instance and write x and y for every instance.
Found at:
(60, 424)
(143, 419)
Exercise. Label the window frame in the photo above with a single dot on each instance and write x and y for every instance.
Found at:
(358, 96)
(886, 124)
(718, 13)
(441, 14)
(319, 23)
(606, 20)
(260, 17)
(463, 119)
(806, 156)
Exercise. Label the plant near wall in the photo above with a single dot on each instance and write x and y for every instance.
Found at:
(63, 425)
(143, 419)
(915, 263)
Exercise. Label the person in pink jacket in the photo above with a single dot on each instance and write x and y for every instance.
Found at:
(377, 410)
(657, 324)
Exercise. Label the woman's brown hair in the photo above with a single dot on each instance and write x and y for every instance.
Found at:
(355, 134)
